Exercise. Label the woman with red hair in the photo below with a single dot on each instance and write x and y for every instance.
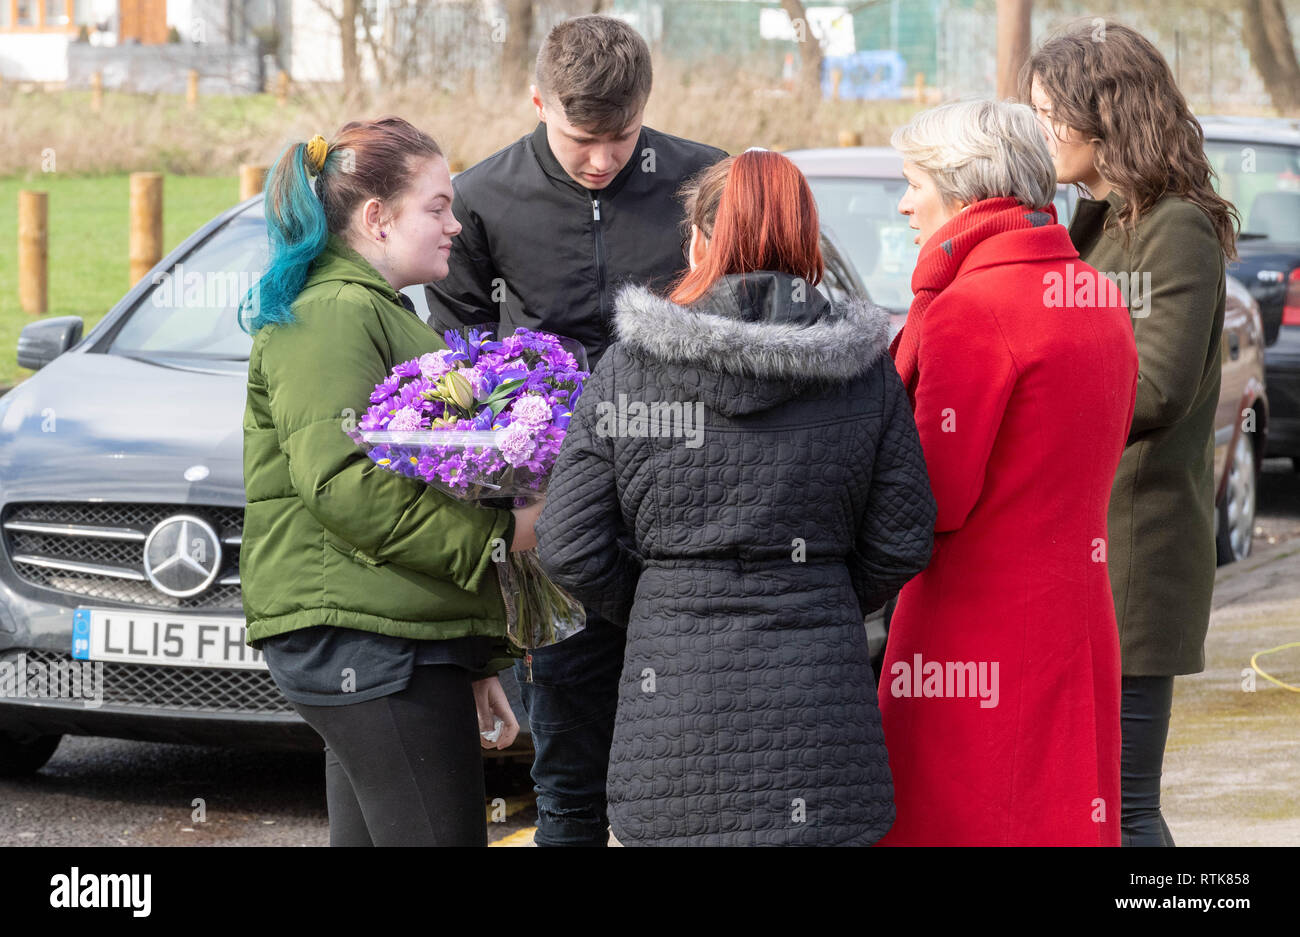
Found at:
(741, 482)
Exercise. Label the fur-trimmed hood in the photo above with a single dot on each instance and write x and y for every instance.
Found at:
(763, 335)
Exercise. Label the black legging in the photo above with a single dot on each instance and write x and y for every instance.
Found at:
(405, 769)
(1144, 726)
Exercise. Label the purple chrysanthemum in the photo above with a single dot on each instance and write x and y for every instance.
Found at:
(385, 388)
(408, 368)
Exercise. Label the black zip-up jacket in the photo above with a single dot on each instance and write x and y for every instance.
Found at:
(539, 250)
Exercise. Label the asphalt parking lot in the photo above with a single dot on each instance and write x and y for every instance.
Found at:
(1233, 751)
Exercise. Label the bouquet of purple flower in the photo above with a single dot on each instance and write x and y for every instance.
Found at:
(484, 419)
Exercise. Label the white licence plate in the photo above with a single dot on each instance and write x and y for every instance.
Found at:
(161, 638)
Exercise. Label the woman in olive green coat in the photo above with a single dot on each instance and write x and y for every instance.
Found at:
(1120, 129)
(373, 596)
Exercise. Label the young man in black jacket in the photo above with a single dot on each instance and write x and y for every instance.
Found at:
(552, 225)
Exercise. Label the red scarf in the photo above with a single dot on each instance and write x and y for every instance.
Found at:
(942, 257)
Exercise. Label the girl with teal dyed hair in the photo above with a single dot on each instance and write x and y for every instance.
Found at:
(314, 190)
(373, 597)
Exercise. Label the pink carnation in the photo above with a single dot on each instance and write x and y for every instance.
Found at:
(434, 365)
(517, 443)
(405, 420)
(532, 410)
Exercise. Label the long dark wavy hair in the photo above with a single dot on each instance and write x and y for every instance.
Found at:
(1112, 86)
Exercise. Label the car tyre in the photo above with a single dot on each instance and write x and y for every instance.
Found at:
(1237, 510)
(21, 755)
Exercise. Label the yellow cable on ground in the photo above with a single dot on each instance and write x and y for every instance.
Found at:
(1258, 654)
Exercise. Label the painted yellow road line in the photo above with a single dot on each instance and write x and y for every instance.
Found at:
(517, 838)
(513, 805)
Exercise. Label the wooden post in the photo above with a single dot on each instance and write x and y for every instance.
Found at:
(146, 222)
(97, 92)
(282, 88)
(192, 89)
(252, 177)
(920, 87)
(33, 252)
(850, 138)
(1013, 32)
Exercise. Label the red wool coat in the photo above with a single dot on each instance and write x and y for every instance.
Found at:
(1000, 694)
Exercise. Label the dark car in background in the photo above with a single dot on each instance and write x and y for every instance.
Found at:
(858, 190)
(124, 447)
(1257, 162)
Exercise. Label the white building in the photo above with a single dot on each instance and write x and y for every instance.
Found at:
(35, 34)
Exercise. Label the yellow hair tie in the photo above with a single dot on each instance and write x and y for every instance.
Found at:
(317, 150)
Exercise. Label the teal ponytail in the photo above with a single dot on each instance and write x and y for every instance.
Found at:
(297, 230)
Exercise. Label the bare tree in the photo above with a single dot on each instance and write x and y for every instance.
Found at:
(810, 49)
(381, 52)
(1013, 43)
(1267, 37)
(515, 59)
(347, 21)
(345, 18)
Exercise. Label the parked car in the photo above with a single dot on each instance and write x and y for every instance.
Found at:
(1238, 450)
(858, 190)
(126, 442)
(1257, 161)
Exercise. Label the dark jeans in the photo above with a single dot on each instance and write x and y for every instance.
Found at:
(571, 704)
(1144, 726)
(405, 769)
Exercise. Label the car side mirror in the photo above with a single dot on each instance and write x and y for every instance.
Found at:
(42, 342)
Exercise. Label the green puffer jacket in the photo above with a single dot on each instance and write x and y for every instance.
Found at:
(330, 538)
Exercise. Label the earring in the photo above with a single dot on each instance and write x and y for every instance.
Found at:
(383, 234)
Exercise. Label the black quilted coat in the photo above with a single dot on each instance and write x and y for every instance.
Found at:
(741, 482)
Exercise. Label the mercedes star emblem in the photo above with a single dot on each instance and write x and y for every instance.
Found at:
(182, 555)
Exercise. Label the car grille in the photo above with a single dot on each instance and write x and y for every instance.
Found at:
(96, 551)
(187, 689)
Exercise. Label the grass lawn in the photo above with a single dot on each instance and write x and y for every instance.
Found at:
(89, 231)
